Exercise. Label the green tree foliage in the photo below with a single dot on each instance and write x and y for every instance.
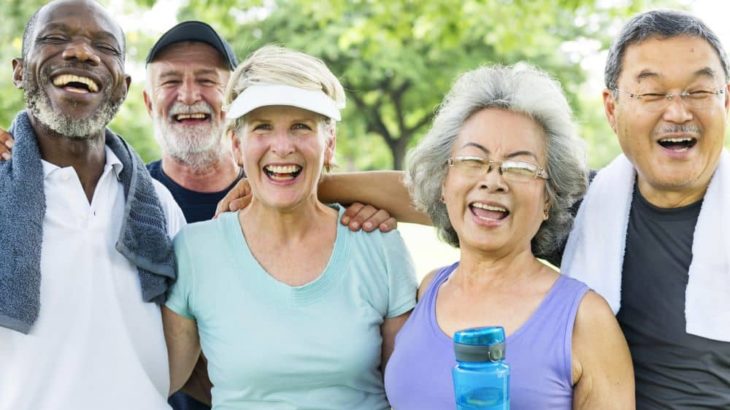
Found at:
(15, 15)
(397, 58)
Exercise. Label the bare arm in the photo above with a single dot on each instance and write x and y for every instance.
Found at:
(198, 385)
(388, 330)
(602, 369)
(381, 189)
(183, 346)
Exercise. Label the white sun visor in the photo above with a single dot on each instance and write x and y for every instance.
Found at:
(265, 95)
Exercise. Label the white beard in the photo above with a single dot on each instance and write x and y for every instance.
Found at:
(198, 146)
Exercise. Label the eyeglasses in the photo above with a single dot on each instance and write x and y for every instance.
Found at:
(695, 99)
(511, 171)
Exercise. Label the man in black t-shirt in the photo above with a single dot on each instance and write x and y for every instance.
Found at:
(641, 239)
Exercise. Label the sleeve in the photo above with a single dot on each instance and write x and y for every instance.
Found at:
(402, 283)
(179, 294)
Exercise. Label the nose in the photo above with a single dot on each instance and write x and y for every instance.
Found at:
(281, 143)
(80, 50)
(189, 92)
(677, 111)
(492, 180)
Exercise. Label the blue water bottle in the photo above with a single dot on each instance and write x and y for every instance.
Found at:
(481, 377)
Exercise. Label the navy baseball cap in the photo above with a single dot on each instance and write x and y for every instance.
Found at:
(194, 31)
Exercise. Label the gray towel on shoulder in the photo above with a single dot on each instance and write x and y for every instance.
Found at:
(143, 238)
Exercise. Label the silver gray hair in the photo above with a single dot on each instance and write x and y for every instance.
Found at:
(522, 89)
(663, 24)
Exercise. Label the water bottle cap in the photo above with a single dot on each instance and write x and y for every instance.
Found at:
(480, 336)
(480, 344)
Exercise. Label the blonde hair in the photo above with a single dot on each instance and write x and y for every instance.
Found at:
(278, 65)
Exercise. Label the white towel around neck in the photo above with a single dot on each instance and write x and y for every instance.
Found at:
(595, 250)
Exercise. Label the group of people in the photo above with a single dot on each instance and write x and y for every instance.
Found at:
(101, 308)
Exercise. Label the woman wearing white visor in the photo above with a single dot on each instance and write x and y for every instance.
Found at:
(292, 310)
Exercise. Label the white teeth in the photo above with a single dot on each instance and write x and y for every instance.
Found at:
(676, 140)
(488, 207)
(64, 79)
(195, 116)
(283, 169)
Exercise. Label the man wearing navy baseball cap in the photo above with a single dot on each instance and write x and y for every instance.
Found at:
(187, 71)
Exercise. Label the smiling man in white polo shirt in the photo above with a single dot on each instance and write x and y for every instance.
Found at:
(86, 253)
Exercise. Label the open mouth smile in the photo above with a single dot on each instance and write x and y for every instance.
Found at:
(191, 117)
(488, 212)
(678, 144)
(282, 172)
(76, 83)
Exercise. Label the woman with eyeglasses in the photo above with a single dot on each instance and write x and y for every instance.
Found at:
(497, 174)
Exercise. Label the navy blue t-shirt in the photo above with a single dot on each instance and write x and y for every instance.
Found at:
(196, 206)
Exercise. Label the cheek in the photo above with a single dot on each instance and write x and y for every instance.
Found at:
(252, 149)
(215, 99)
(164, 100)
(454, 193)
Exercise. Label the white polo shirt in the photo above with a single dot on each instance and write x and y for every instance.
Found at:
(96, 344)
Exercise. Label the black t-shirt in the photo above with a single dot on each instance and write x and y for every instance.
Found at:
(674, 370)
(196, 206)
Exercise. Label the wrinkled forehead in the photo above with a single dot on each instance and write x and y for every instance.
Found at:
(681, 58)
(79, 16)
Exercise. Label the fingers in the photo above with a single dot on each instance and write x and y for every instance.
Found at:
(358, 216)
(237, 198)
(6, 145)
(389, 225)
(350, 212)
(379, 220)
(239, 203)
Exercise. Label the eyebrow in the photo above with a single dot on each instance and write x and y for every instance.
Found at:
(65, 28)
(510, 155)
(702, 72)
(178, 73)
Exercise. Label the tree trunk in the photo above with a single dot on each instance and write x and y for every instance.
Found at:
(398, 150)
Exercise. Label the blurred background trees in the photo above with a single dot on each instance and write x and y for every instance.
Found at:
(396, 58)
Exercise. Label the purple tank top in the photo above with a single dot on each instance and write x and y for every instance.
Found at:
(418, 374)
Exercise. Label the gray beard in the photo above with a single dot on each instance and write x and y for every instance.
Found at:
(39, 105)
(186, 146)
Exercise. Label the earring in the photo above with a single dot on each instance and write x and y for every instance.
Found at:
(546, 214)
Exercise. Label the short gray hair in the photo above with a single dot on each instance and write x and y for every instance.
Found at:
(521, 89)
(661, 24)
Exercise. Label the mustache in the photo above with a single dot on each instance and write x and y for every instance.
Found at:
(199, 107)
(679, 129)
(74, 65)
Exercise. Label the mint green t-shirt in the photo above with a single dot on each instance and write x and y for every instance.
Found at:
(274, 346)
